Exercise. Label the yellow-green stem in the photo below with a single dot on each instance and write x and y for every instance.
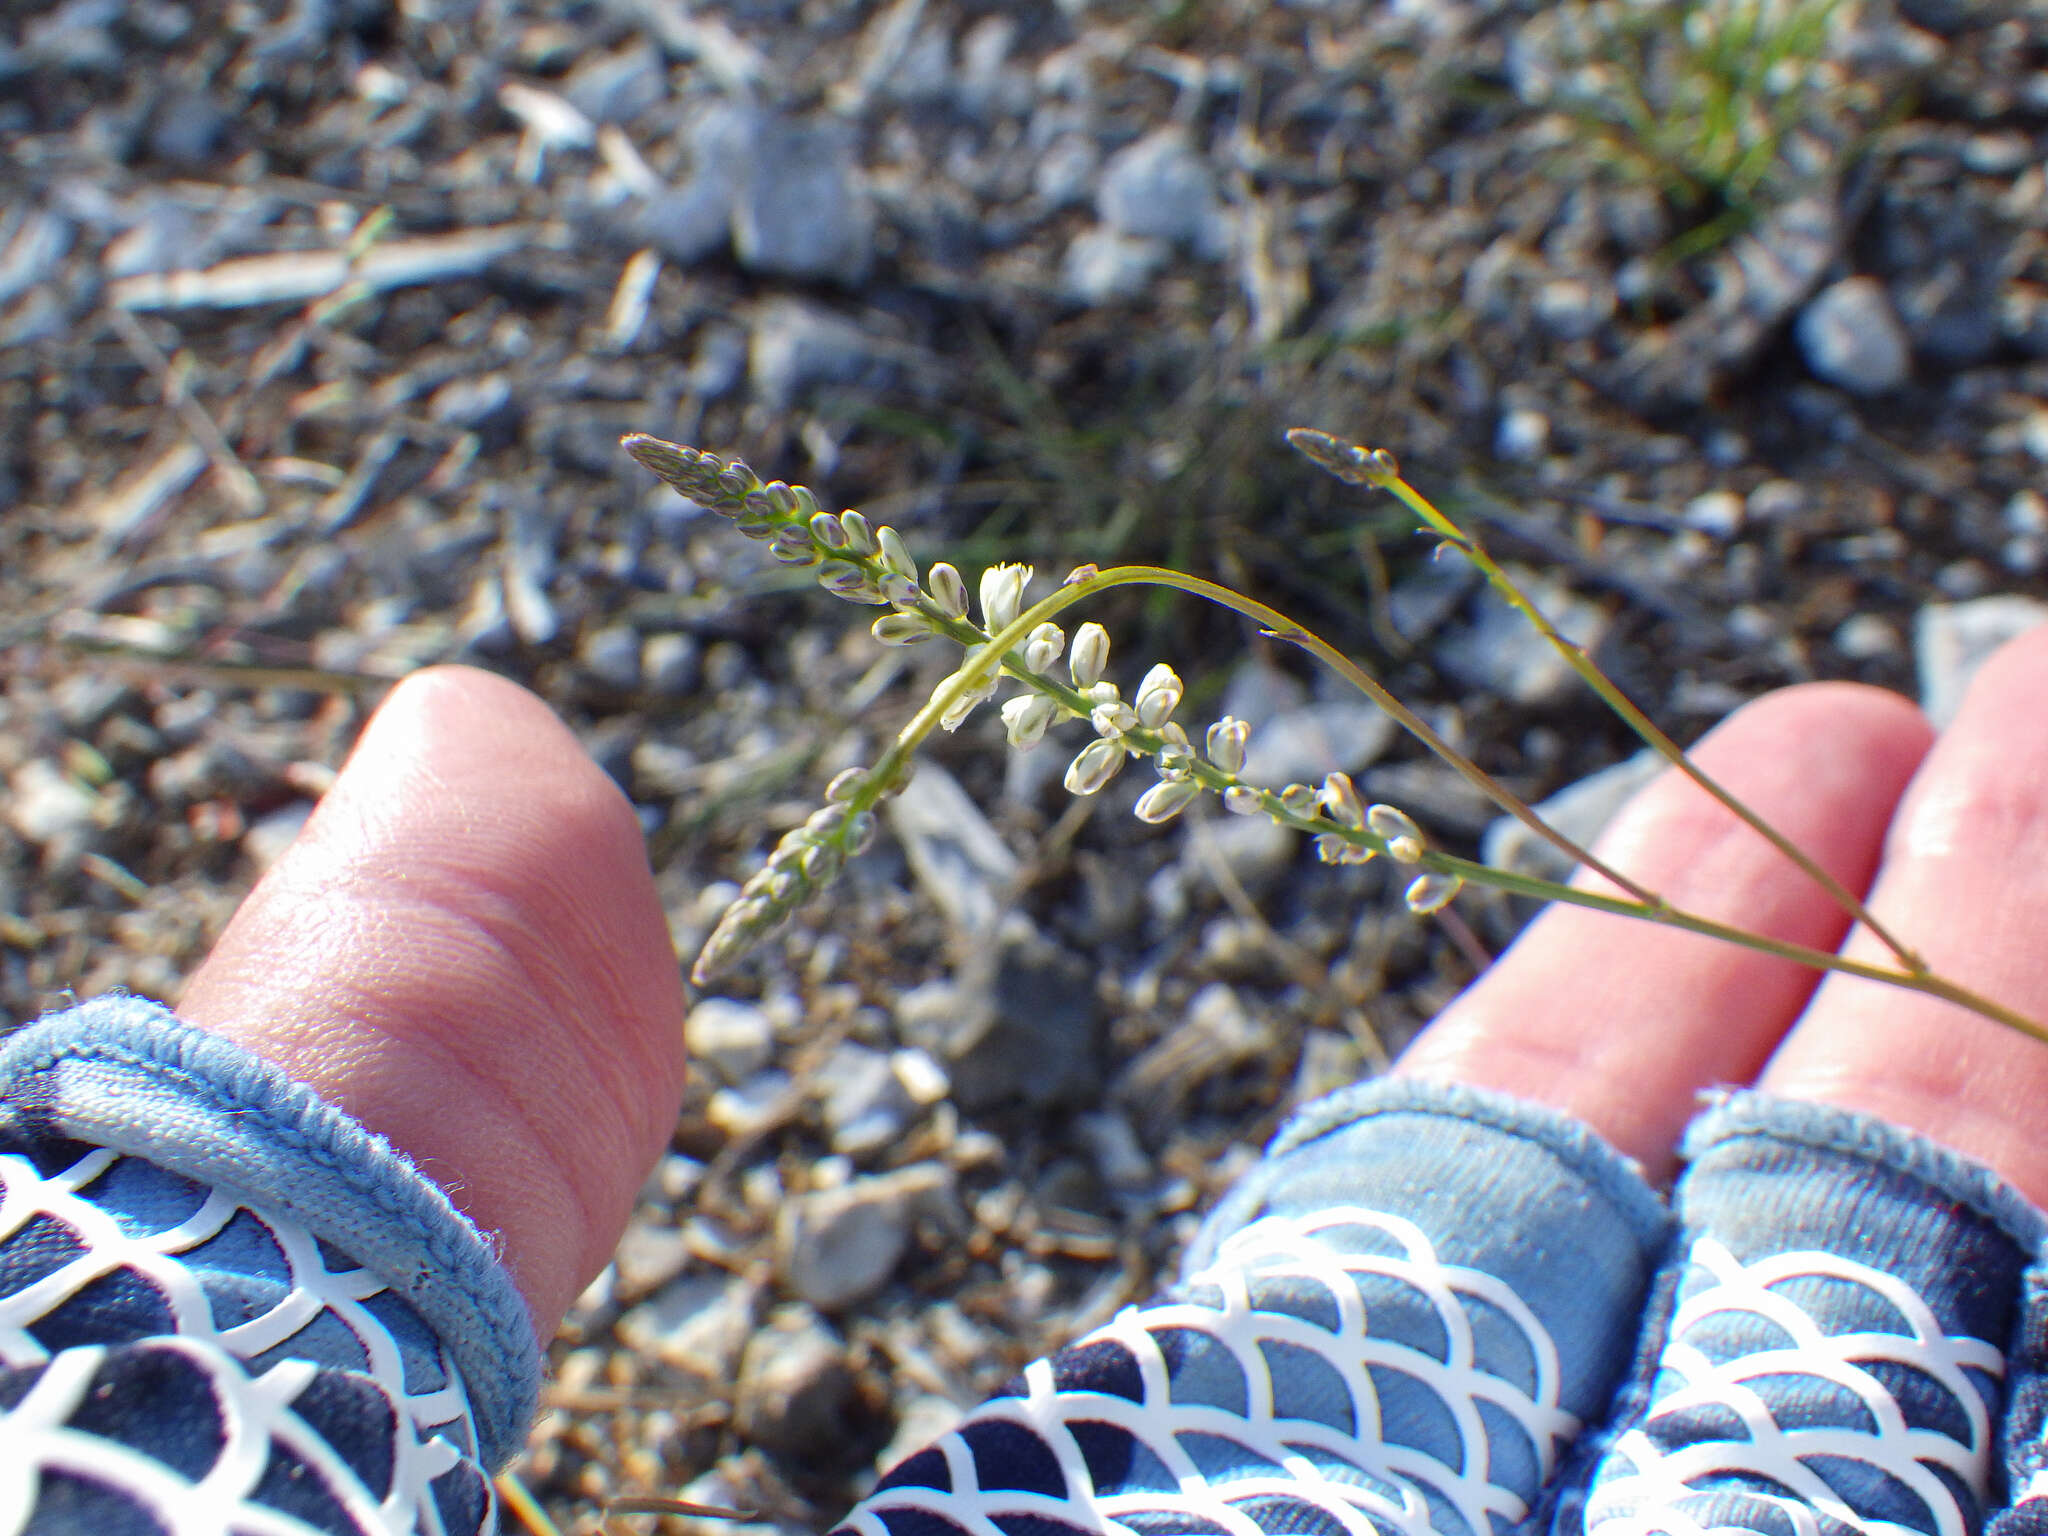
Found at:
(1640, 904)
(1640, 723)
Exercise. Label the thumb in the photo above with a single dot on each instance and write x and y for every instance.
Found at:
(464, 950)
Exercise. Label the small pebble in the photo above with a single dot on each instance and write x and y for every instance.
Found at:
(1851, 338)
(735, 1039)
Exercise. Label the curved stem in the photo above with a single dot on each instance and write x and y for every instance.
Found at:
(1641, 724)
(1640, 903)
(1677, 917)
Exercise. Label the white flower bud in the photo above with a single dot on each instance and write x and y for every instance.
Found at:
(1158, 696)
(1026, 717)
(1096, 765)
(1340, 799)
(1298, 798)
(826, 530)
(901, 629)
(1242, 800)
(958, 711)
(1431, 892)
(948, 590)
(1404, 850)
(844, 783)
(840, 578)
(1332, 848)
(1088, 655)
(1113, 718)
(1043, 646)
(793, 546)
(1226, 743)
(860, 534)
(895, 553)
(1002, 595)
(1176, 752)
(1167, 799)
(1388, 823)
(898, 589)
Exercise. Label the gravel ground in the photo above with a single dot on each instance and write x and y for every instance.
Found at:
(318, 328)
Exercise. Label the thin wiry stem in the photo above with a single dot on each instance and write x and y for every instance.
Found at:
(1360, 467)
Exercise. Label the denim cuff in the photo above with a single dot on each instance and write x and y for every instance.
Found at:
(128, 1074)
(1829, 1339)
(1517, 1190)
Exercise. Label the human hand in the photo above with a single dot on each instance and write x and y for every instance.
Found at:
(464, 950)
(1624, 1024)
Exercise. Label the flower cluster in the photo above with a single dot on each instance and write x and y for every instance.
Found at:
(862, 563)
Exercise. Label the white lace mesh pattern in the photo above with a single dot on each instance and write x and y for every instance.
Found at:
(1799, 1471)
(367, 1430)
(1282, 1288)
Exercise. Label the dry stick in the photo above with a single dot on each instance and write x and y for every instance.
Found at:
(1359, 466)
(235, 475)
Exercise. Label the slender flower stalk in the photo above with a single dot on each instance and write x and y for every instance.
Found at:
(865, 564)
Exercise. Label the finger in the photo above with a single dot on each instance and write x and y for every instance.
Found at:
(1622, 1023)
(464, 950)
(1965, 881)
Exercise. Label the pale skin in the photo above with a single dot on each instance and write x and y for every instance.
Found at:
(465, 951)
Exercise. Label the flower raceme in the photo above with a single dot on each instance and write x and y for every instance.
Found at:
(862, 563)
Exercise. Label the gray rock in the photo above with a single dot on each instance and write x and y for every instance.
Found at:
(1425, 599)
(866, 1107)
(1258, 691)
(720, 362)
(1255, 850)
(802, 210)
(1160, 189)
(1851, 338)
(1499, 651)
(617, 87)
(1025, 1030)
(734, 1039)
(1865, 637)
(796, 1384)
(1952, 640)
(836, 1246)
(797, 346)
(53, 811)
(1066, 170)
(961, 862)
(989, 86)
(671, 664)
(1119, 1156)
(187, 129)
(1523, 435)
(1304, 744)
(1718, 514)
(1581, 811)
(267, 839)
(1104, 267)
(648, 1257)
(689, 222)
(38, 243)
(611, 655)
(698, 1324)
(211, 769)
(1573, 308)
(470, 402)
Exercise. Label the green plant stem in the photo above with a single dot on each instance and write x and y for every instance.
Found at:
(1643, 906)
(1645, 728)
(1675, 917)
(1276, 624)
